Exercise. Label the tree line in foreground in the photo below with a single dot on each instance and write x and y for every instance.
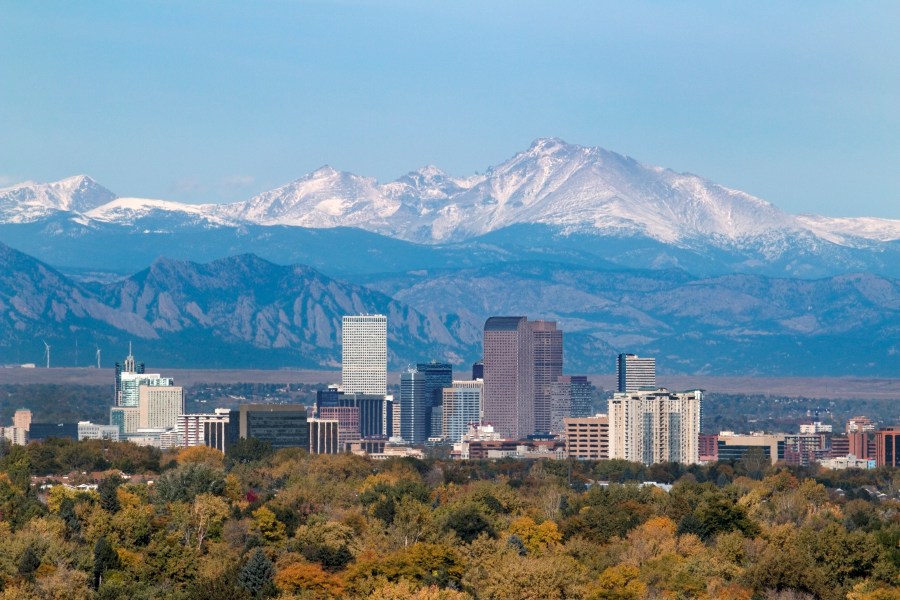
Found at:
(263, 524)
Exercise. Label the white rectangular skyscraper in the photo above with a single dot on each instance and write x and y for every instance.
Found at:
(364, 354)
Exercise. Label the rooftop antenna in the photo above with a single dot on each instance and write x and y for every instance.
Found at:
(98, 357)
(47, 352)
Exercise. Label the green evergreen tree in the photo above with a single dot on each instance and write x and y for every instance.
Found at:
(468, 523)
(105, 558)
(29, 562)
(109, 499)
(67, 514)
(257, 576)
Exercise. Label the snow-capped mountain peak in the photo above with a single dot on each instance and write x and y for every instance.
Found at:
(566, 186)
(324, 198)
(30, 201)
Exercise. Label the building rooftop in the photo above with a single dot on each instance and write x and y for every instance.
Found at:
(503, 323)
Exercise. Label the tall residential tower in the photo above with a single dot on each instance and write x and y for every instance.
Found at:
(653, 426)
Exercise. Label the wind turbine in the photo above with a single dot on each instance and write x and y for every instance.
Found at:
(47, 352)
(98, 357)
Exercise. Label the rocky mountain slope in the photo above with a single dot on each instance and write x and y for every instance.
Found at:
(732, 324)
(238, 311)
(245, 311)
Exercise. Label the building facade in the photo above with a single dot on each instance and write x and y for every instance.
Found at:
(461, 408)
(733, 447)
(478, 370)
(415, 407)
(509, 376)
(129, 366)
(376, 411)
(160, 405)
(547, 342)
(437, 376)
(93, 431)
(323, 436)
(655, 426)
(222, 433)
(192, 427)
(887, 446)
(282, 425)
(15, 435)
(364, 354)
(347, 418)
(130, 383)
(634, 373)
(587, 438)
(22, 419)
(570, 396)
(46, 431)
(126, 418)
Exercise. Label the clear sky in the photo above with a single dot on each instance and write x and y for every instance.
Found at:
(795, 102)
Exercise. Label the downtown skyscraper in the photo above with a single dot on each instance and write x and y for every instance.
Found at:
(438, 376)
(548, 365)
(415, 407)
(509, 376)
(364, 354)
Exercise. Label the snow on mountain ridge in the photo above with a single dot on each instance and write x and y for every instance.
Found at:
(28, 201)
(851, 230)
(324, 198)
(572, 187)
(128, 211)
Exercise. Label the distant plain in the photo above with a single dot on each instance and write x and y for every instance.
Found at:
(805, 387)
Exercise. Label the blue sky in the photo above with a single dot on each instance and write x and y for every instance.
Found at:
(795, 102)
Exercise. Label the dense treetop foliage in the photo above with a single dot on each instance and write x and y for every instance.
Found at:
(264, 524)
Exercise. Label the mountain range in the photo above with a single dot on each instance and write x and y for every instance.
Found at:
(628, 257)
(243, 311)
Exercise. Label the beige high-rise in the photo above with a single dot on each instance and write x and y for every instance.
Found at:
(635, 372)
(22, 419)
(160, 405)
(655, 426)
